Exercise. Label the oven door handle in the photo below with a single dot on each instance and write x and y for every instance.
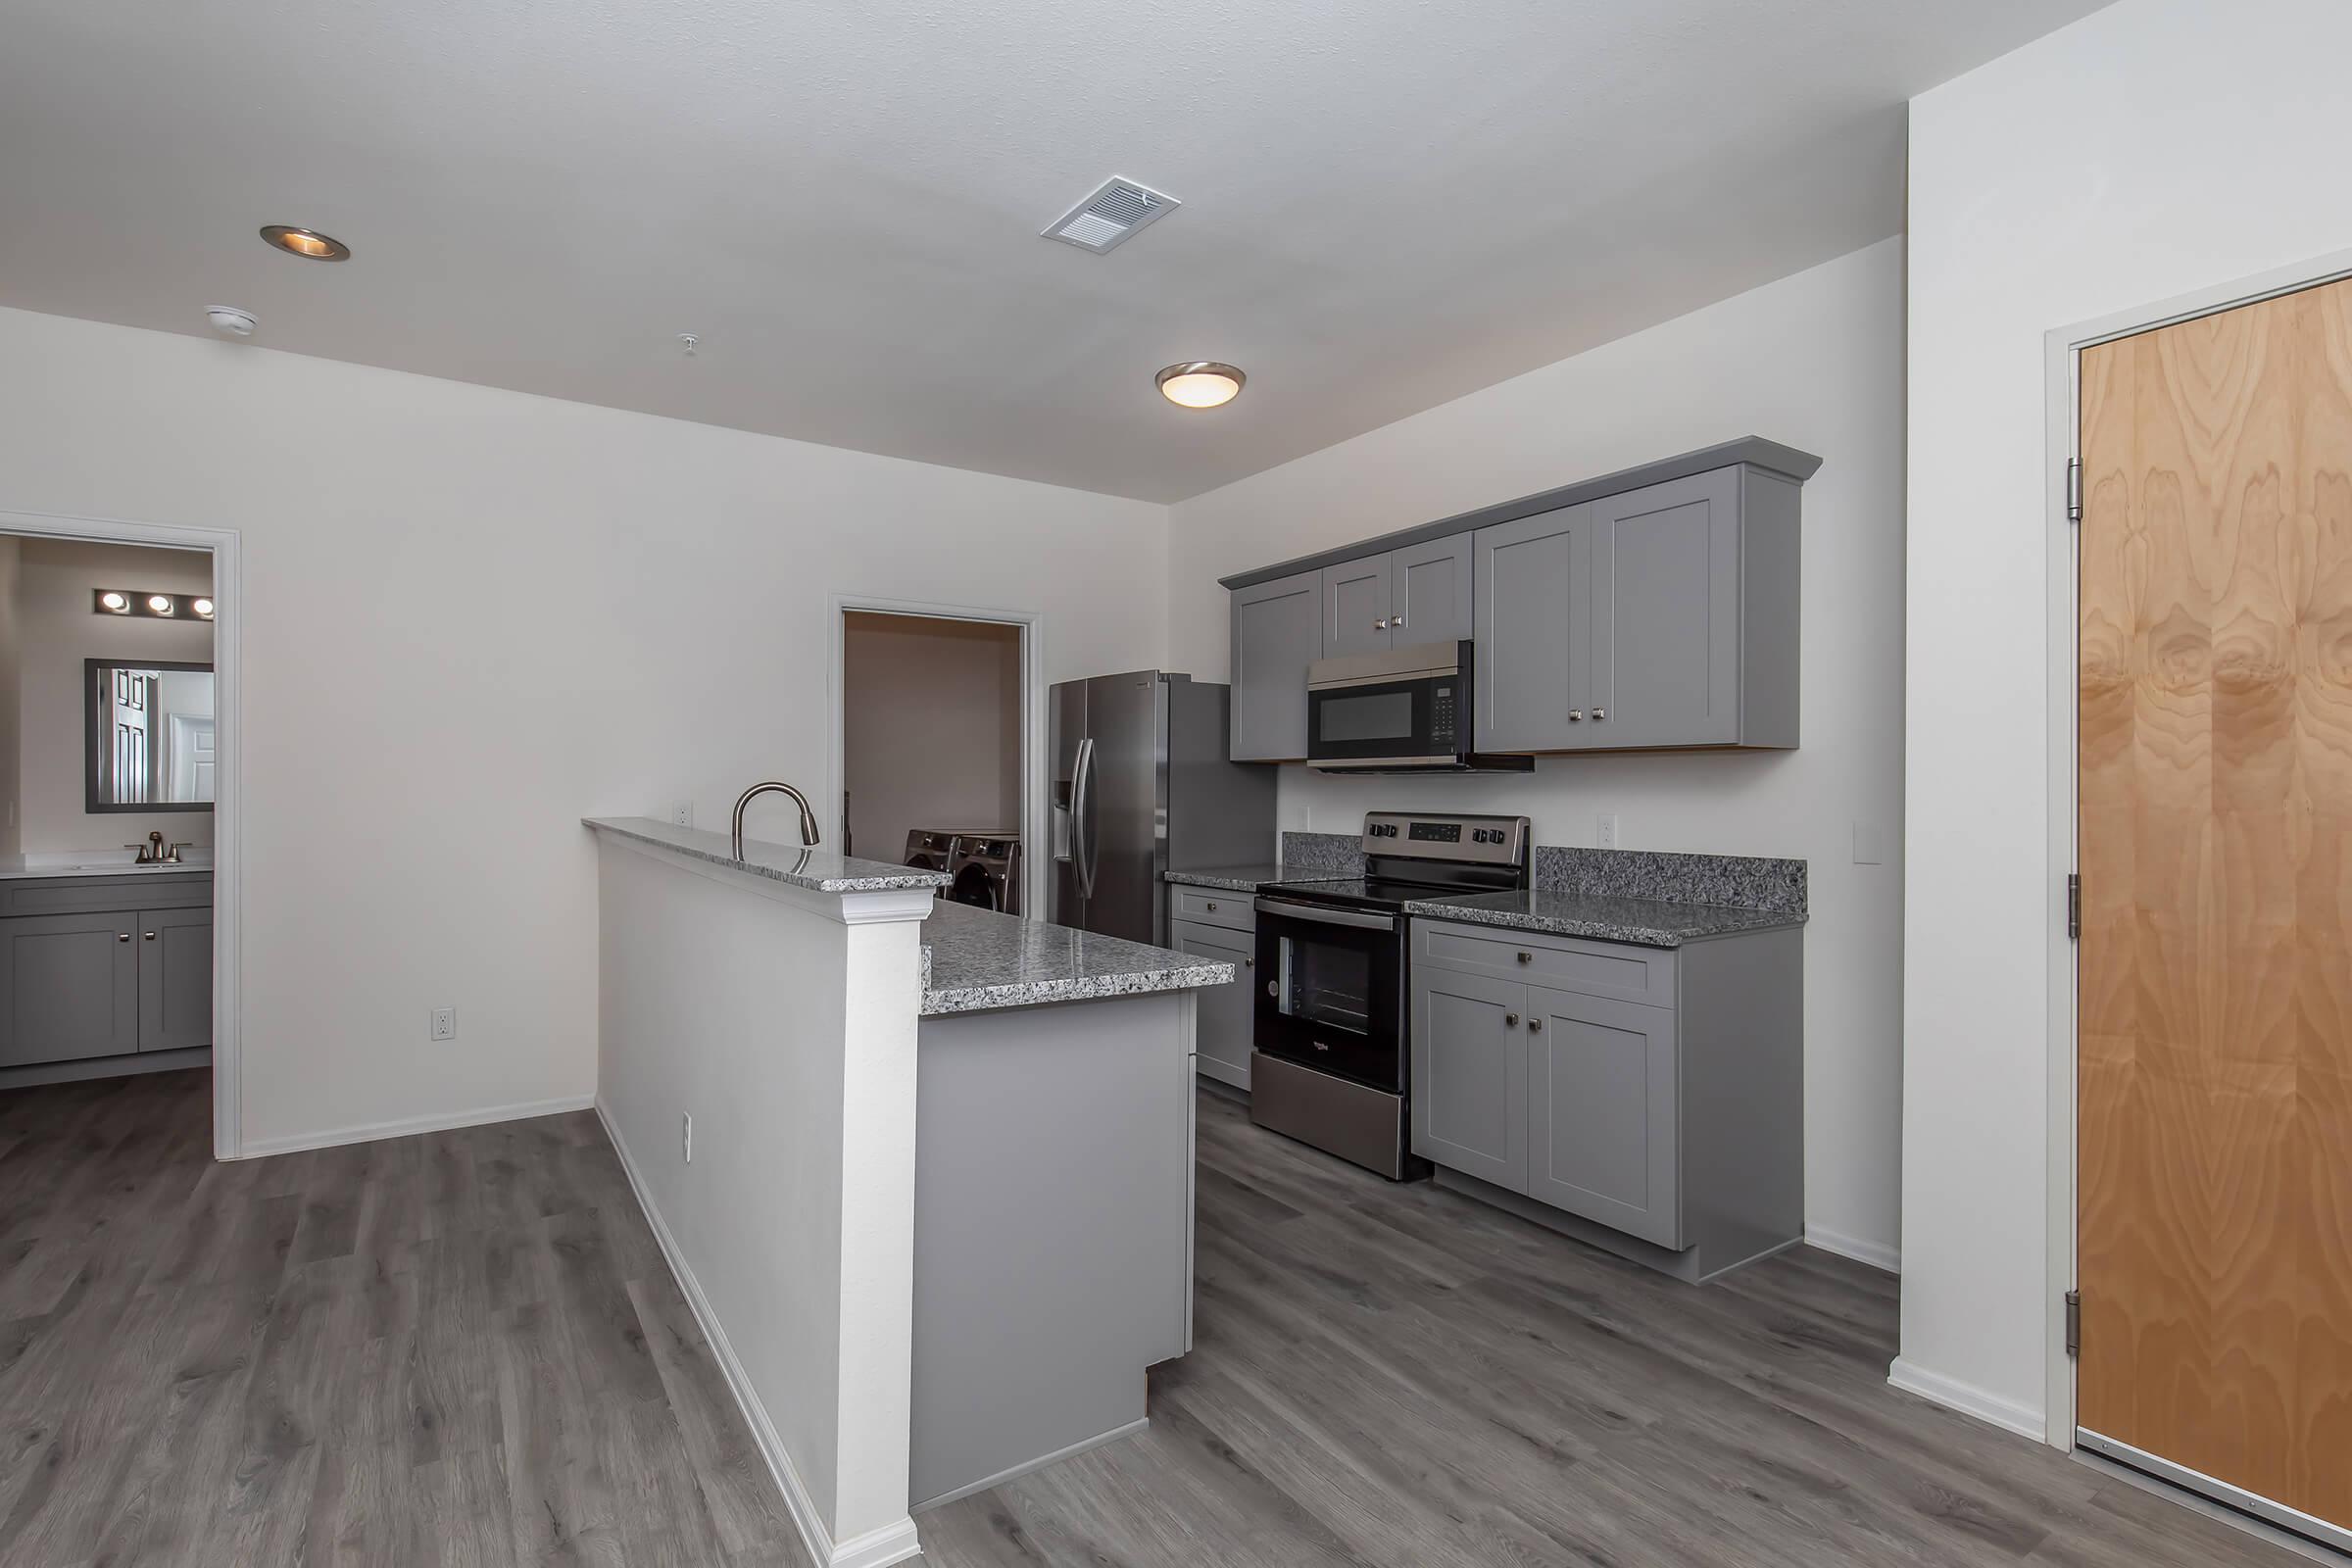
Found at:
(1321, 917)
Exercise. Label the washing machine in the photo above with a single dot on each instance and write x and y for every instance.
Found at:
(986, 870)
(930, 849)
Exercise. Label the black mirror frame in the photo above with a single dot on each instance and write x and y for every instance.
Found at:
(94, 729)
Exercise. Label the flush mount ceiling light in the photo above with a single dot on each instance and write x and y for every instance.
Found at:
(306, 242)
(1200, 383)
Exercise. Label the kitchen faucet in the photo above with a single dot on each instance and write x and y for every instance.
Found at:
(807, 817)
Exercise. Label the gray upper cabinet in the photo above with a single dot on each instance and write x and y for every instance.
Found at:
(69, 987)
(1469, 1067)
(1532, 592)
(1277, 632)
(1429, 592)
(1603, 1112)
(1654, 608)
(1355, 607)
(176, 979)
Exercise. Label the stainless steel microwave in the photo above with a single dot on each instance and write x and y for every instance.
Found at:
(1399, 711)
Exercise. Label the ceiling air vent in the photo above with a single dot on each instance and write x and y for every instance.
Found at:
(1110, 215)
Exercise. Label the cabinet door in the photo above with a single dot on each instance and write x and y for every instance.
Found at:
(1532, 604)
(1429, 592)
(1277, 632)
(1223, 1013)
(1355, 607)
(1603, 1112)
(69, 987)
(1469, 1083)
(1666, 614)
(176, 979)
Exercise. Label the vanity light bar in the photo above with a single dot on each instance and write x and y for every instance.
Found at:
(152, 607)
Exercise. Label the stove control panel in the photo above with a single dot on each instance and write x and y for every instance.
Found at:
(1472, 840)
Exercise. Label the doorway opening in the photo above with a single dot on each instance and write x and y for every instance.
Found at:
(935, 711)
(112, 762)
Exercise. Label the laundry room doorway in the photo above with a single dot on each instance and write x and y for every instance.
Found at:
(935, 711)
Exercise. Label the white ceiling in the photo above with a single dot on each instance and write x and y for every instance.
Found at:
(1388, 203)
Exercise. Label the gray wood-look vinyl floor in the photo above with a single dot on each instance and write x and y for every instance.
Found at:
(465, 1348)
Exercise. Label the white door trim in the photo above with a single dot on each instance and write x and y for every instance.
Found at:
(2062, 354)
(228, 836)
(1033, 722)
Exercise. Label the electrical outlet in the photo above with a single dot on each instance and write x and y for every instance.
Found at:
(445, 1024)
(683, 813)
(686, 1137)
(1604, 831)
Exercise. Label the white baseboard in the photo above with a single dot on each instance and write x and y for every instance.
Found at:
(895, 1541)
(1877, 1254)
(370, 1132)
(2010, 1415)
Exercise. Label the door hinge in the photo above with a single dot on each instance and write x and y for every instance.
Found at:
(2074, 1322)
(2073, 907)
(2074, 489)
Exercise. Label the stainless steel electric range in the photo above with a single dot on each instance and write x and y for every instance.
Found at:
(1333, 1029)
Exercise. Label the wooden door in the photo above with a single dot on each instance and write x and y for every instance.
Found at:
(1430, 592)
(1533, 606)
(2215, 1066)
(1355, 607)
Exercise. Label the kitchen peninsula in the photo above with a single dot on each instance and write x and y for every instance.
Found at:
(924, 1170)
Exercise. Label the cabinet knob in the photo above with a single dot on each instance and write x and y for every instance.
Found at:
(1534, 1026)
(1396, 621)
(1212, 905)
(1382, 624)
(121, 936)
(1576, 715)
(1511, 1021)
(1599, 713)
(151, 936)
(1248, 964)
(1527, 957)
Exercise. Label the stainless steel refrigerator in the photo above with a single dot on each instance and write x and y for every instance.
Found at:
(1140, 786)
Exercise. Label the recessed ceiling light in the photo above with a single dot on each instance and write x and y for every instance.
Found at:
(1200, 383)
(204, 607)
(306, 242)
(120, 603)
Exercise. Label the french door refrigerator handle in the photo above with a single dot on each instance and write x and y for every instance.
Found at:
(1082, 817)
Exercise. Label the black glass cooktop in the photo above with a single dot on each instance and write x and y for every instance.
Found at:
(1360, 893)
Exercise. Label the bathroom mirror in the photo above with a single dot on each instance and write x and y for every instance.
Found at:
(149, 744)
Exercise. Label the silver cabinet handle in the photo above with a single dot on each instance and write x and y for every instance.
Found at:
(1248, 964)
(1212, 905)
(1527, 957)
(1576, 715)
(1382, 624)
(1396, 621)
(121, 936)
(1534, 1026)
(1511, 1021)
(151, 936)
(1599, 713)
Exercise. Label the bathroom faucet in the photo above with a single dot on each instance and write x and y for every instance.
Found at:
(771, 787)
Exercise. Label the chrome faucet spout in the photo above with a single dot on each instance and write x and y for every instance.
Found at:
(773, 787)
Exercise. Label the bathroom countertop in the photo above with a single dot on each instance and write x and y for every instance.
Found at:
(18, 873)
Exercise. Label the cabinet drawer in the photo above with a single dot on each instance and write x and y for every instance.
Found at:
(1619, 971)
(85, 895)
(1211, 907)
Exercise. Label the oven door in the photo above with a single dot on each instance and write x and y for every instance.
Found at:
(1333, 997)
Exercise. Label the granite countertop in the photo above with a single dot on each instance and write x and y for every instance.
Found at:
(18, 873)
(816, 869)
(976, 959)
(1602, 917)
(1243, 879)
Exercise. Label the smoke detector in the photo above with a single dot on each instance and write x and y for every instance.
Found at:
(229, 320)
(1110, 215)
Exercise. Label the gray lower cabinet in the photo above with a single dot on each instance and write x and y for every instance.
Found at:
(1669, 1130)
(1224, 1018)
(1277, 632)
(1469, 1075)
(69, 987)
(1604, 1124)
(85, 982)
(176, 979)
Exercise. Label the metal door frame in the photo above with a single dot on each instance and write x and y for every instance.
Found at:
(224, 545)
(2063, 349)
(1033, 716)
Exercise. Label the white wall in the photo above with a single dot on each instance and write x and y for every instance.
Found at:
(472, 617)
(932, 722)
(11, 787)
(1814, 360)
(58, 631)
(2155, 148)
